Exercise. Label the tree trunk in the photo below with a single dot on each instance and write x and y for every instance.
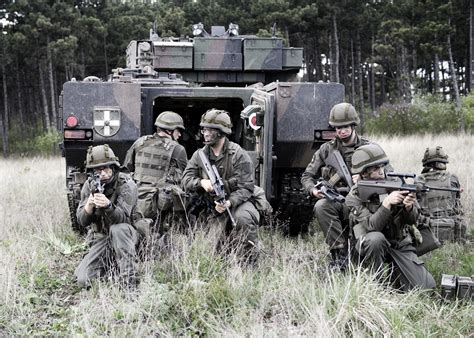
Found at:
(44, 100)
(19, 90)
(54, 122)
(105, 56)
(5, 126)
(361, 83)
(353, 73)
(454, 80)
(436, 73)
(330, 61)
(335, 61)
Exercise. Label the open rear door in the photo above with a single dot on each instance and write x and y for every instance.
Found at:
(264, 104)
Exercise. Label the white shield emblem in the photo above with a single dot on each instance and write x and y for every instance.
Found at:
(106, 120)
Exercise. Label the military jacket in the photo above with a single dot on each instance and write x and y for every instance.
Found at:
(373, 216)
(154, 159)
(233, 164)
(122, 192)
(317, 168)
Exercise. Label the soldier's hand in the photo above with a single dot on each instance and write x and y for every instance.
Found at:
(221, 207)
(207, 185)
(394, 198)
(356, 178)
(101, 201)
(90, 205)
(409, 200)
(316, 193)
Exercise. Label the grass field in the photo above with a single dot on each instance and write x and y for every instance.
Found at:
(192, 290)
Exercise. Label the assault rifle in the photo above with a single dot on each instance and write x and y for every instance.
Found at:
(336, 161)
(98, 187)
(368, 188)
(217, 183)
(329, 192)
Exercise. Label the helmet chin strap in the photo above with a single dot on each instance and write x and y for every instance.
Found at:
(348, 138)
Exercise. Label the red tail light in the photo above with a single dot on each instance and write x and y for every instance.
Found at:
(75, 134)
(71, 121)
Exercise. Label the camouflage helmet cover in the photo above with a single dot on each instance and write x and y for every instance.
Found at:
(343, 114)
(101, 156)
(368, 156)
(217, 119)
(169, 120)
(435, 154)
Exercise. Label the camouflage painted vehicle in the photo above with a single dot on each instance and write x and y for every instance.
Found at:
(278, 120)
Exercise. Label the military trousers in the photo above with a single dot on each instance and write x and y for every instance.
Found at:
(114, 251)
(333, 218)
(374, 250)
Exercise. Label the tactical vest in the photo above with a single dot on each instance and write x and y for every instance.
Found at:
(437, 203)
(440, 208)
(152, 159)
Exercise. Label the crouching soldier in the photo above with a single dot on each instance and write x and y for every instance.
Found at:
(441, 210)
(107, 201)
(382, 225)
(157, 162)
(332, 215)
(236, 170)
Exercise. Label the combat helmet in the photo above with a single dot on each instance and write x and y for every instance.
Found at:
(217, 119)
(101, 156)
(434, 154)
(343, 114)
(367, 156)
(169, 120)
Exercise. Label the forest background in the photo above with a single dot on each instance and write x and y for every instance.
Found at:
(404, 64)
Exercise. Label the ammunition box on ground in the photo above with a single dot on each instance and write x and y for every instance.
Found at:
(448, 286)
(465, 288)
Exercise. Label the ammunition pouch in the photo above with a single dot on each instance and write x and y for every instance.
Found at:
(429, 242)
(163, 199)
(260, 201)
(443, 228)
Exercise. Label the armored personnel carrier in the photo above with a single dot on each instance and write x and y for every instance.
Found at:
(277, 119)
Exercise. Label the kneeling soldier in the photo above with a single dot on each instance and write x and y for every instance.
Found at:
(107, 202)
(381, 226)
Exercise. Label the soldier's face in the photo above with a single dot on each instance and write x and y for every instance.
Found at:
(376, 172)
(344, 132)
(105, 173)
(210, 135)
(176, 134)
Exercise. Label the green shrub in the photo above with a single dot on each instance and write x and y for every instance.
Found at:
(426, 114)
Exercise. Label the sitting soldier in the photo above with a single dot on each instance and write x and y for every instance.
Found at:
(237, 172)
(107, 202)
(441, 210)
(382, 225)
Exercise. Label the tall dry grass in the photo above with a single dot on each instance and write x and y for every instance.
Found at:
(190, 289)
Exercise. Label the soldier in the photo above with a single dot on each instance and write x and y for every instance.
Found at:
(382, 226)
(333, 216)
(157, 162)
(237, 172)
(441, 210)
(107, 202)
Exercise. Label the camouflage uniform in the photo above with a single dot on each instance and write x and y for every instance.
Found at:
(237, 172)
(384, 234)
(441, 210)
(156, 162)
(112, 238)
(331, 216)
